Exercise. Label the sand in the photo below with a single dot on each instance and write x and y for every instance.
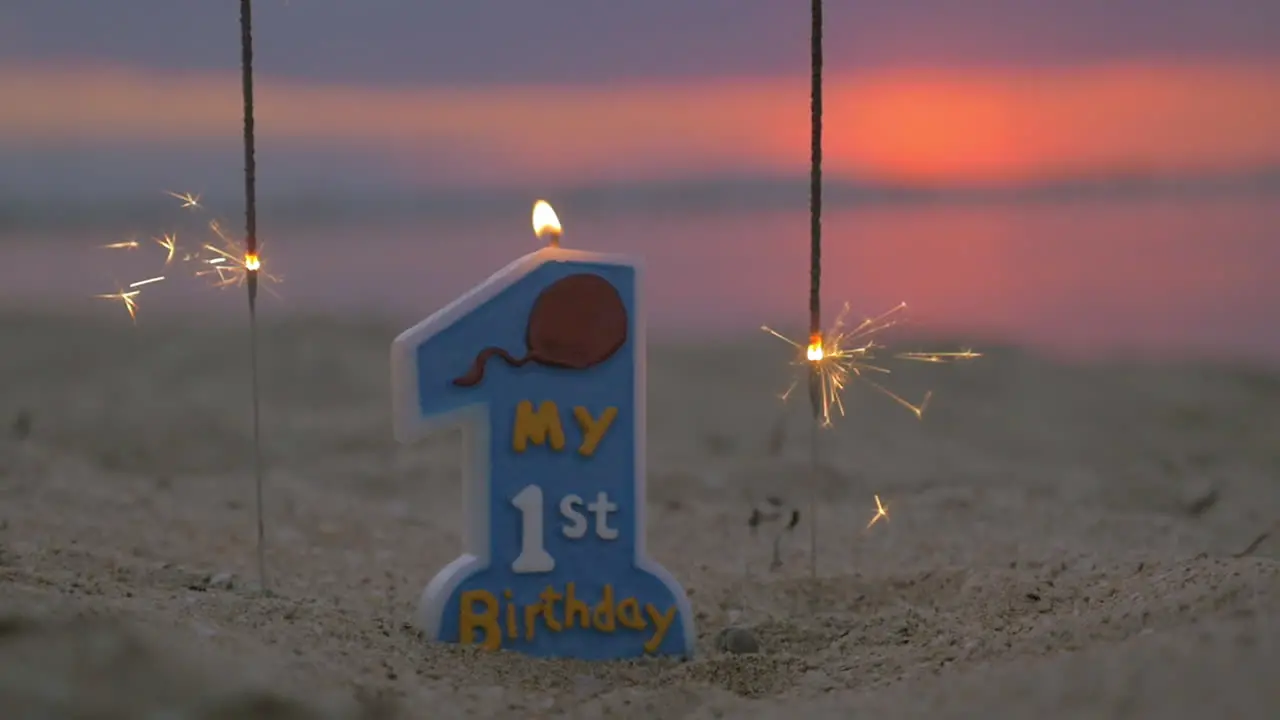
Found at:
(1065, 541)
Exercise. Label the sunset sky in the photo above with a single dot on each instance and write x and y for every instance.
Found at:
(483, 105)
(572, 92)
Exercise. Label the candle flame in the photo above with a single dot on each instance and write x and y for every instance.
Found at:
(546, 225)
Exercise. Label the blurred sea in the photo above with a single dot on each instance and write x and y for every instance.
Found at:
(1121, 266)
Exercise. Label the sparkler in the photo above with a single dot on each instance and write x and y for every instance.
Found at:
(252, 264)
(831, 360)
(222, 261)
(814, 352)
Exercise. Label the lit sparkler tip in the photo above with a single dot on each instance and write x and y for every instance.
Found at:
(815, 351)
(229, 267)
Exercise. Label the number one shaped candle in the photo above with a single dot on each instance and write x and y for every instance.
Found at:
(544, 363)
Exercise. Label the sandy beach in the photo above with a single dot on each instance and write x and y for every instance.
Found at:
(1065, 541)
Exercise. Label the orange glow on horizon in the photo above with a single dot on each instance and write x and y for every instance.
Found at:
(920, 126)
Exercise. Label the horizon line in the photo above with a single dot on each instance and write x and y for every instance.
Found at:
(695, 195)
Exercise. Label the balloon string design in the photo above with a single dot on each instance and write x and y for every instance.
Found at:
(476, 373)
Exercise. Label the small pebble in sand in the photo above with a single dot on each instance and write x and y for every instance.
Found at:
(221, 581)
(737, 640)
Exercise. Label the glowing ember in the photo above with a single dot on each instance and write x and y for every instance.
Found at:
(226, 263)
(814, 353)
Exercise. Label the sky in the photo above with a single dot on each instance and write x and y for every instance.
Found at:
(512, 93)
(106, 102)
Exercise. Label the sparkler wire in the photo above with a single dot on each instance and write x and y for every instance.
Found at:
(815, 176)
(251, 266)
(815, 270)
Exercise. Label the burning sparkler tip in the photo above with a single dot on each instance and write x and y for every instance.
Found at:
(815, 352)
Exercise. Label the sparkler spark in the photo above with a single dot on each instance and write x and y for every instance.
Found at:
(881, 512)
(188, 200)
(843, 355)
(168, 241)
(128, 298)
(148, 281)
(126, 245)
